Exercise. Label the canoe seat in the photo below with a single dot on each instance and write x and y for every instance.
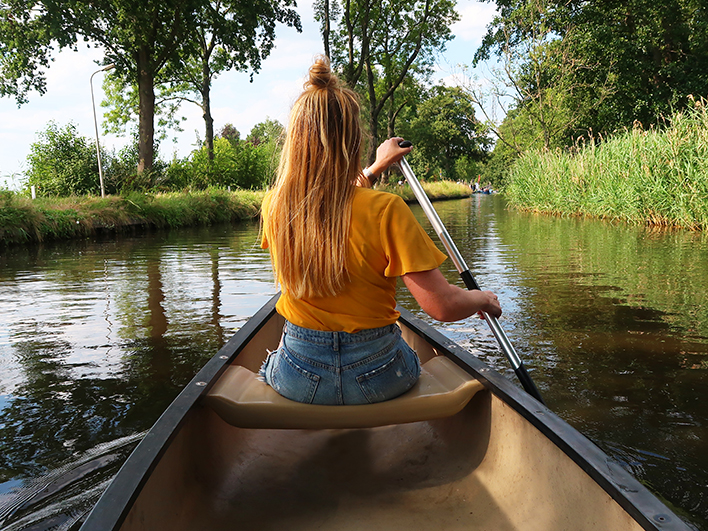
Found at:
(242, 400)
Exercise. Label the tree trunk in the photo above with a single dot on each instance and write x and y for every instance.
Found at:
(326, 29)
(206, 109)
(146, 110)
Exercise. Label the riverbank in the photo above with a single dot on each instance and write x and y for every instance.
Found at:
(653, 177)
(23, 220)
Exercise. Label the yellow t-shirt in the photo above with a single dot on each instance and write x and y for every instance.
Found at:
(385, 242)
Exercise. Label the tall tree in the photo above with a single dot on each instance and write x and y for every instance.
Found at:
(446, 130)
(230, 34)
(393, 37)
(325, 12)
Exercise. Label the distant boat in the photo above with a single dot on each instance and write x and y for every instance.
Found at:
(464, 449)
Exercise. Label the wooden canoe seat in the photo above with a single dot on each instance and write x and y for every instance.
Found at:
(242, 400)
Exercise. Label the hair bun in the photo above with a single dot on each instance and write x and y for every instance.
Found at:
(321, 76)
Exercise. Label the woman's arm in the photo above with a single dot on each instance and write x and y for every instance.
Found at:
(444, 302)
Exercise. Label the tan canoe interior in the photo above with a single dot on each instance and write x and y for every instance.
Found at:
(483, 468)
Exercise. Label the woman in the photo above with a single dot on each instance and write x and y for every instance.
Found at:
(337, 250)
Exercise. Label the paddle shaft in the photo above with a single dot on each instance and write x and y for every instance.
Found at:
(501, 337)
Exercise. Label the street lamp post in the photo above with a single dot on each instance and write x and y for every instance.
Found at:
(95, 124)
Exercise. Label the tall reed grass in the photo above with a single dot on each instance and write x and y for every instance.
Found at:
(657, 177)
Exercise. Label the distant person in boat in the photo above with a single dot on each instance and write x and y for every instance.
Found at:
(338, 248)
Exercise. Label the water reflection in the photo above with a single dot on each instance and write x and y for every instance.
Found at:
(613, 324)
(97, 337)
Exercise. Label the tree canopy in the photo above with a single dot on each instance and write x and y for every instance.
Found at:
(637, 60)
(379, 44)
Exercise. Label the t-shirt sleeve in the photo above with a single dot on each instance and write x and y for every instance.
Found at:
(407, 246)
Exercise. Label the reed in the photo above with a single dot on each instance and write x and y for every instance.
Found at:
(655, 177)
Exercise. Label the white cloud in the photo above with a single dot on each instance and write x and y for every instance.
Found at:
(475, 16)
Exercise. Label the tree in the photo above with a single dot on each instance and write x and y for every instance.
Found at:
(268, 131)
(537, 87)
(144, 40)
(636, 60)
(393, 37)
(446, 131)
(325, 13)
(229, 35)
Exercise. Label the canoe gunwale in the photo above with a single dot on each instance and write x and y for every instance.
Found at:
(117, 500)
(619, 484)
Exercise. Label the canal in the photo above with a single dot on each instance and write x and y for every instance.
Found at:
(98, 336)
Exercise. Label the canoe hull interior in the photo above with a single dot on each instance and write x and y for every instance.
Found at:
(486, 467)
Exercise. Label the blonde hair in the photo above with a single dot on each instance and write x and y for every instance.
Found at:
(307, 223)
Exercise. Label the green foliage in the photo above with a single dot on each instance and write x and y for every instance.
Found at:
(25, 52)
(123, 107)
(61, 162)
(239, 165)
(449, 139)
(640, 176)
(378, 44)
(247, 164)
(599, 66)
(268, 131)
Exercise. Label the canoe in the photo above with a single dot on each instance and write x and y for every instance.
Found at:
(464, 449)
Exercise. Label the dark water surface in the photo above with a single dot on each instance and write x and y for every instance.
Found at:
(97, 337)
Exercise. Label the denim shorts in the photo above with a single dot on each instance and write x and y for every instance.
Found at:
(338, 368)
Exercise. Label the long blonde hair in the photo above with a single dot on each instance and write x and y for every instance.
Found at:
(307, 223)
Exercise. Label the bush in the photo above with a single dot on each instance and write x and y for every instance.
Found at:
(239, 164)
(62, 163)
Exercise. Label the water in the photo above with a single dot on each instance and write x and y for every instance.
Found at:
(97, 337)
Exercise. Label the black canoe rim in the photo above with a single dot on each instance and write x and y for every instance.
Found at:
(114, 505)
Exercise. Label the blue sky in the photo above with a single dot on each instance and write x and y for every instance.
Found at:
(234, 99)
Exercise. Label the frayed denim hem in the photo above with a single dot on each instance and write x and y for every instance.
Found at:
(262, 371)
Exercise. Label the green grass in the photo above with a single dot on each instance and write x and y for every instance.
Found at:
(26, 220)
(656, 177)
(435, 190)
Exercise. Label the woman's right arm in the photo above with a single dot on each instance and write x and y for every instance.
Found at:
(445, 302)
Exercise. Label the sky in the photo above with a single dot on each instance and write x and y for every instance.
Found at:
(235, 100)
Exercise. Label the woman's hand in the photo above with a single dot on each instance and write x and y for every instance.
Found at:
(388, 153)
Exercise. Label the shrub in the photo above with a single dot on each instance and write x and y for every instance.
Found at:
(62, 163)
(239, 164)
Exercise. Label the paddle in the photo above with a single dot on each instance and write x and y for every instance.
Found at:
(506, 346)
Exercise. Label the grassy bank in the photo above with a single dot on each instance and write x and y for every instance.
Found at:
(640, 176)
(437, 190)
(26, 220)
